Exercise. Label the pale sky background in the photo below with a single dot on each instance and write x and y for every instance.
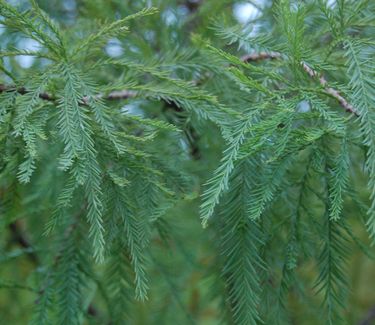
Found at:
(243, 11)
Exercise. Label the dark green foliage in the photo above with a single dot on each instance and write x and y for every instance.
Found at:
(110, 149)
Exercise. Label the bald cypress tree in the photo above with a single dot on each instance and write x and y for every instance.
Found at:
(186, 162)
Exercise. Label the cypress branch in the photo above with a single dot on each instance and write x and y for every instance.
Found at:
(112, 118)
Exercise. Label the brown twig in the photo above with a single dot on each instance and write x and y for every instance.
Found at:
(329, 90)
(261, 56)
(114, 95)
(310, 72)
(121, 94)
(24, 91)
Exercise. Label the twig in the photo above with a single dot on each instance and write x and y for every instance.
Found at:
(20, 238)
(329, 90)
(24, 91)
(114, 95)
(261, 56)
(121, 94)
(311, 73)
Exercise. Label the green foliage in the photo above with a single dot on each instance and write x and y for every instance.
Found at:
(362, 85)
(110, 146)
(241, 239)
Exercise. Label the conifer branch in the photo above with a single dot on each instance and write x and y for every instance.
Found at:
(252, 57)
(91, 309)
(20, 237)
(311, 73)
(191, 136)
(111, 180)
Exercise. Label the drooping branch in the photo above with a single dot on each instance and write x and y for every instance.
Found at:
(20, 237)
(191, 134)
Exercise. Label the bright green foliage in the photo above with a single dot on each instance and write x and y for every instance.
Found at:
(165, 162)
